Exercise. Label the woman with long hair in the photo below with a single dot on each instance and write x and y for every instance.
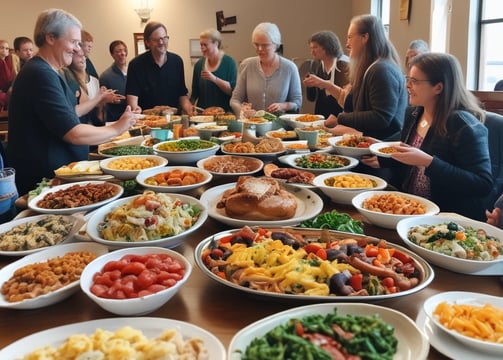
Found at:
(376, 99)
(444, 155)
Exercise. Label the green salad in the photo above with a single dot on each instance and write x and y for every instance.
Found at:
(334, 220)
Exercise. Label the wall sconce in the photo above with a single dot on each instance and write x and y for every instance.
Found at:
(144, 11)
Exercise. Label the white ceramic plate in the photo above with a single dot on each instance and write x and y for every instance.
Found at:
(375, 148)
(145, 174)
(421, 264)
(130, 174)
(296, 146)
(412, 343)
(254, 165)
(90, 177)
(41, 256)
(465, 298)
(472, 267)
(98, 217)
(291, 120)
(290, 160)
(78, 221)
(448, 345)
(211, 126)
(33, 203)
(150, 326)
(201, 118)
(262, 156)
(309, 204)
(390, 221)
(347, 150)
(282, 134)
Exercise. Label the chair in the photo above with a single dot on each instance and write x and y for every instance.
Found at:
(494, 123)
(491, 100)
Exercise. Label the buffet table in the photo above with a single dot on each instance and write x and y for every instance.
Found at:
(222, 310)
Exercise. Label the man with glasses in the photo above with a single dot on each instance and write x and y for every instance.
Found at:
(156, 77)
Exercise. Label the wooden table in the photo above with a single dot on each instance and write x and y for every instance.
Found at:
(222, 310)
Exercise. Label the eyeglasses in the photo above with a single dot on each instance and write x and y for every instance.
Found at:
(413, 80)
(262, 46)
(163, 38)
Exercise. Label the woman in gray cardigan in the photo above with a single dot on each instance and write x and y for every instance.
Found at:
(267, 81)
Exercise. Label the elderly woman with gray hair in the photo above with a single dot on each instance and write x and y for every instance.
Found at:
(214, 75)
(267, 81)
(42, 107)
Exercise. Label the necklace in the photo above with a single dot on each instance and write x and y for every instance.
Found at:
(423, 124)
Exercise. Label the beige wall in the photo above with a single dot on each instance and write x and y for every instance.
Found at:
(109, 20)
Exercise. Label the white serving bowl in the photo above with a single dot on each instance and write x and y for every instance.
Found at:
(343, 195)
(389, 221)
(266, 157)
(465, 266)
(187, 156)
(470, 299)
(290, 120)
(130, 173)
(207, 130)
(348, 150)
(225, 162)
(205, 177)
(98, 217)
(291, 161)
(132, 306)
(261, 128)
(43, 256)
(282, 134)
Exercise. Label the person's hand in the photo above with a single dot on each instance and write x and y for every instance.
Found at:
(331, 121)
(312, 80)
(411, 155)
(277, 108)
(208, 75)
(109, 96)
(493, 217)
(371, 161)
(126, 121)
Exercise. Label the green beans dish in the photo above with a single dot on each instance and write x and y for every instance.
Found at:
(122, 150)
(185, 145)
(327, 336)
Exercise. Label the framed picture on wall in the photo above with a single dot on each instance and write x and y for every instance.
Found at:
(139, 44)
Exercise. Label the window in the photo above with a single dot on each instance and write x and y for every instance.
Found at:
(491, 53)
(383, 12)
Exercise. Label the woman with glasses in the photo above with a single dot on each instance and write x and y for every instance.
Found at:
(157, 76)
(377, 96)
(444, 155)
(267, 81)
(214, 75)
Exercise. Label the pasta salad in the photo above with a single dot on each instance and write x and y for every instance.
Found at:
(150, 216)
(458, 241)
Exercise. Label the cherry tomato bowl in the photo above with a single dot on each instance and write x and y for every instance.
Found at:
(135, 281)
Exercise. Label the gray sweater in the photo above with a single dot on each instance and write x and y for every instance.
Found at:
(254, 87)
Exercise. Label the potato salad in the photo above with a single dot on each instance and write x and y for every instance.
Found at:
(150, 216)
(458, 241)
